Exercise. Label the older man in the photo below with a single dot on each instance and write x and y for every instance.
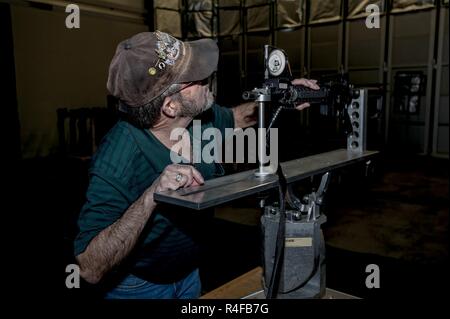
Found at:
(127, 243)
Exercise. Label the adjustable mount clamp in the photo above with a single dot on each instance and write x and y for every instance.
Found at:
(311, 203)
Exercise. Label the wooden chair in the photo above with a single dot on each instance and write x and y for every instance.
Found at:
(80, 130)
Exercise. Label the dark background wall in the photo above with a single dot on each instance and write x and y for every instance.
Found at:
(56, 67)
(323, 37)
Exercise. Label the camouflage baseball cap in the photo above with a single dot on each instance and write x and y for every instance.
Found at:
(148, 63)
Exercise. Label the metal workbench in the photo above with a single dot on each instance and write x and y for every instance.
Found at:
(227, 188)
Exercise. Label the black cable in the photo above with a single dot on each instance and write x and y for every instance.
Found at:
(272, 121)
(279, 248)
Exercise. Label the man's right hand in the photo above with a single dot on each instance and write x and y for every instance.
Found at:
(173, 177)
(176, 176)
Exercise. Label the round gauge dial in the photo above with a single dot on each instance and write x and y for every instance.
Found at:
(277, 62)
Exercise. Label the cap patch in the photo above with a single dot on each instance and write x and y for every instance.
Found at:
(168, 50)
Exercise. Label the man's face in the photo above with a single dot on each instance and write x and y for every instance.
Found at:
(196, 98)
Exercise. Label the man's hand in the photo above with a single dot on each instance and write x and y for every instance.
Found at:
(245, 114)
(177, 176)
(173, 177)
(312, 84)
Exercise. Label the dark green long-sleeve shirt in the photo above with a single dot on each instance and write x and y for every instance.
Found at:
(125, 165)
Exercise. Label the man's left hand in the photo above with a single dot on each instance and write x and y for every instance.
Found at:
(312, 84)
(245, 114)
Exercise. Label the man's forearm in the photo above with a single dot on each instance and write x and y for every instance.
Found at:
(114, 243)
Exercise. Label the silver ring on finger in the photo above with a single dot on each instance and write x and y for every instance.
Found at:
(179, 177)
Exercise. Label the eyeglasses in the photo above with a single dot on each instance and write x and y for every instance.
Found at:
(203, 82)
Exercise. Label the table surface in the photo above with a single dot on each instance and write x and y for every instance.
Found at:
(227, 188)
